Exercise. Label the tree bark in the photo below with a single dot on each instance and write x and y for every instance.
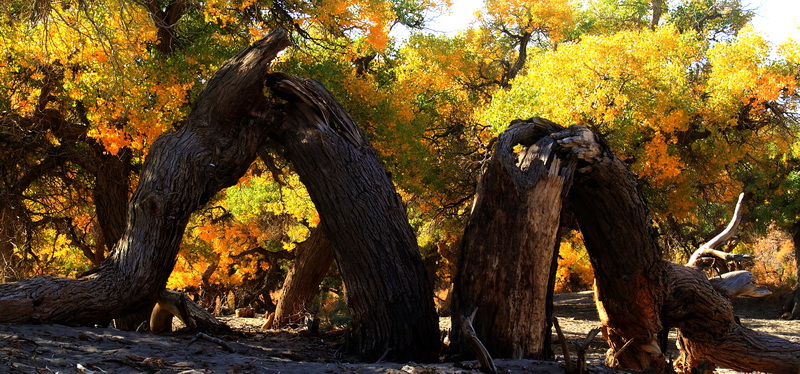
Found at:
(630, 277)
(509, 245)
(314, 258)
(638, 294)
(212, 150)
(389, 296)
(710, 336)
(791, 310)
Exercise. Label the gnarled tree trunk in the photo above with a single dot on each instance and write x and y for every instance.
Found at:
(630, 277)
(212, 150)
(389, 296)
(639, 294)
(509, 245)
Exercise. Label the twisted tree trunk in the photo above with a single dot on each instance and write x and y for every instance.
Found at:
(639, 295)
(212, 150)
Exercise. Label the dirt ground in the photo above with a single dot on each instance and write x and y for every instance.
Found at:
(249, 349)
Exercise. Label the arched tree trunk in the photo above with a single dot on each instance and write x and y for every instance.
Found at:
(389, 296)
(630, 277)
(509, 245)
(639, 295)
(212, 150)
(313, 259)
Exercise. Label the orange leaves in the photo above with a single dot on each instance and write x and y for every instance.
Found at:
(574, 269)
(659, 165)
(552, 18)
(775, 260)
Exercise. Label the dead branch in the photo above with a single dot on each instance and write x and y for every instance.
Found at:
(564, 349)
(582, 347)
(484, 358)
(708, 249)
(225, 345)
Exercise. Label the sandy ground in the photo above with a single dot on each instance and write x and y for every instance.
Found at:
(62, 349)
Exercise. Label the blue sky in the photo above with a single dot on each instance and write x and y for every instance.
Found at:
(775, 19)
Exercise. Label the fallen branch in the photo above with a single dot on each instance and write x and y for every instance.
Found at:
(225, 345)
(484, 358)
(582, 347)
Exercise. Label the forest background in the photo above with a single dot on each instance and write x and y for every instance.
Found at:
(698, 103)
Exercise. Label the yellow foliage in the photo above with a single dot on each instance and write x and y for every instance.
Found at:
(574, 269)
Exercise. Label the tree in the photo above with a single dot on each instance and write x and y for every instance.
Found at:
(314, 259)
(376, 250)
(210, 151)
(638, 294)
(510, 243)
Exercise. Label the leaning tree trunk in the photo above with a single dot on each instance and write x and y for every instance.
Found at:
(639, 294)
(630, 277)
(212, 150)
(389, 296)
(508, 247)
(312, 261)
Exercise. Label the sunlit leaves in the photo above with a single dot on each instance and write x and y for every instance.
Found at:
(668, 103)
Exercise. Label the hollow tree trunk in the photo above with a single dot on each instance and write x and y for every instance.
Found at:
(389, 296)
(184, 169)
(313, 259)
(509, 244)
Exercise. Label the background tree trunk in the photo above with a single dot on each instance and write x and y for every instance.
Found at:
(389, 296)
(507, 251)
(112, 185)
(791, 310)
(313, 259)
(184, 169)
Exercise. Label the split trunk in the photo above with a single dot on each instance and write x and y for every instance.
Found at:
(509, 245)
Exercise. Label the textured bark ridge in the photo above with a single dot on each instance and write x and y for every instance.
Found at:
(388, 293)
(509, 244)
(212, 150)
